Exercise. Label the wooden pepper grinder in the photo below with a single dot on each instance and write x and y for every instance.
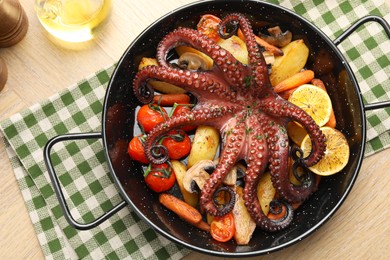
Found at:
(13, 23)
(3, 74)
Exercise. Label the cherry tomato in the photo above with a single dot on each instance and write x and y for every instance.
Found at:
(160, 177)
(136, 150)
(180, 109)
(222, 228)
(151, 115)
(178, 144)
(208, 25)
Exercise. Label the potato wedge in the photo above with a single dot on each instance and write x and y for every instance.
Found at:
(209, 218)
(243, 222)
(204, 145)
(145, 61)
(180, 169)
(236, 47)
(265, 192)
(231, 177)
(293, 61)
(157, 85)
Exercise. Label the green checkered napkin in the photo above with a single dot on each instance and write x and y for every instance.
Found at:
(81, 165)
(83, 174)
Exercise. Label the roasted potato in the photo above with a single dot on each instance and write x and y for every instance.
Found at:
(145, 61)
(204, 145)
(265, 192)
(293, 61)
(236, 47)
(242, 220)
(180, 171)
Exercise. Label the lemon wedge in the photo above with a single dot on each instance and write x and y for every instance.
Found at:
(314, 101)
(336, 153)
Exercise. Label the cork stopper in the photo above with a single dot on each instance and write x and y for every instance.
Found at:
(3, 74)
(13, 23)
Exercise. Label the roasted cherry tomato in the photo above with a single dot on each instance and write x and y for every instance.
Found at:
(178, 144)
(183, 109)
(160, 177)
(222, 228)
(208, 25)
(151, 115)
(136, 149)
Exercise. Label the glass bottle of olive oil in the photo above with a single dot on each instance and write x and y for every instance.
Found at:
(73, 20)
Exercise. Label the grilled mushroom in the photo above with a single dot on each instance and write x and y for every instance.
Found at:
(196, 176)
(277, 37)
(193, 61)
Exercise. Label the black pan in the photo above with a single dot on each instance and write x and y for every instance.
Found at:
(119, 127)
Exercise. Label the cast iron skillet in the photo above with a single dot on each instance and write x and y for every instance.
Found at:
(119, 127)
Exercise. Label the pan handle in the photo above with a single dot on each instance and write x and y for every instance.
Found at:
(57, 185)
(349, 31)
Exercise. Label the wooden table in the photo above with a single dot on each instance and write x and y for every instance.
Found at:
(38, 68)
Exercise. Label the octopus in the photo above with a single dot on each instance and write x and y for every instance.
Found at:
(252, 119)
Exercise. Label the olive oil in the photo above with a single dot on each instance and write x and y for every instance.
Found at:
(73, 20)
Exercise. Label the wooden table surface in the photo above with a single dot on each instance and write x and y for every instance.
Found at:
(38, 68)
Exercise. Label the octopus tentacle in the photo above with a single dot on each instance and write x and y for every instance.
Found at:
(283, 108)
(233, 71)
(233, 147)
(158, 154)
(205, 116)
(256, 59)
(225, 207)
(200, 84)
(279, 166)
(257, 163)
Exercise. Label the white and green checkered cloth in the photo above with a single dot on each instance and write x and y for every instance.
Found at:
(81, 165)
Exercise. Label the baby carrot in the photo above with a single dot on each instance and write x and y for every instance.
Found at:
(269, 47)
(170, 99)
(319, 83)
(203, 226)
(181, 208)
(300, 78)
(286, 94)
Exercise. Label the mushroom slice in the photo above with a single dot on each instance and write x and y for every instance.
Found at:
(193, 61)
(197, 174)
(277, 37)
